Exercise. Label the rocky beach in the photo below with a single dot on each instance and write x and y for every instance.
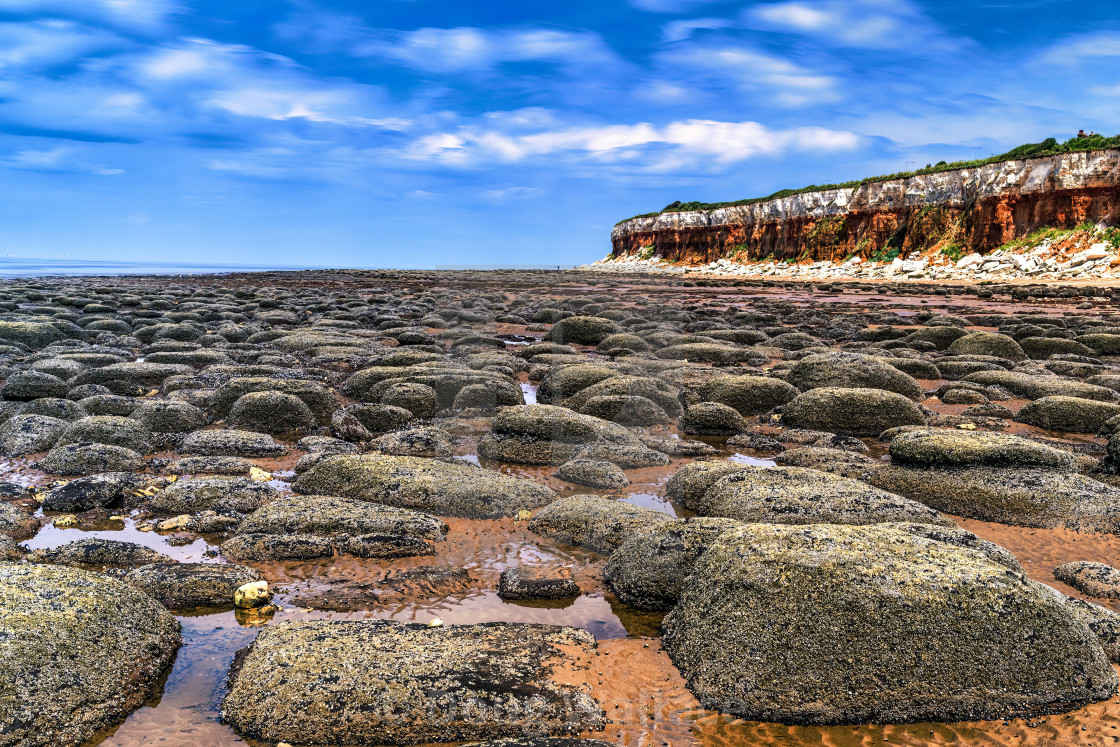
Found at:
(558, 509)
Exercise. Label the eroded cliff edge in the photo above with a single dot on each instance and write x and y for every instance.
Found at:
(975, 209)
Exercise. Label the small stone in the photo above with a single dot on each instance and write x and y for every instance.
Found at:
(255, 594)
(66, 521)
(174, 524)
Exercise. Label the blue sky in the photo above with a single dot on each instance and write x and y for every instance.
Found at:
(415, 133)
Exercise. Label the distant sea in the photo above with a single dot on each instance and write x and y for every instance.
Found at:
(23, 267)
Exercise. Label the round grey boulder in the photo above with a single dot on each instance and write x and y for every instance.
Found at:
(418, 399)
(945, 447)
(593, 474)
(1022, 496)
(830, 624)
(582, 330)
(90, 458)
(27, 434)
(222, 494)
(81, 652)
(625, 409)
(749, 395)
(796, 495)
(330, 516)
(591, 521)
(27, 385)
(1067, 414)
(232, 443)
(98, 554)
(649, 568)
(851, 371)
(109, 429)
(270, 412)
(169, 416)
(688, 484)
(987, 343)
(712, 419)
(851, 412)
(428, 485)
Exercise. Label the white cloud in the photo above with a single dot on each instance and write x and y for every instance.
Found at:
(689, 143)
(58, 160)
(786, 82)
(461, 50)
(134, 14)
(249, 83)
(280, 103)
(39, 160)
(502, 196)
(875, 24)
(684, 29)
(43, 43)
(194, 88)
(1082, 48)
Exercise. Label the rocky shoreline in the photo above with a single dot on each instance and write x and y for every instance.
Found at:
(563, 509)
(1086, 259)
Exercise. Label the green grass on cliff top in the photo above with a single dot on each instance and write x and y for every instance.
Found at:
(1048, 147)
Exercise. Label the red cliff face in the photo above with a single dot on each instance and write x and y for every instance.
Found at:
(956, 207)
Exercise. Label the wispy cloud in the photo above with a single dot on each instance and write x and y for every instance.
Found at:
(1078, 49)
(38, 44)
(193, 85)
(783, 81)
(685, 28)
(130, 14)
(56, 160)
(1106, 90)
(873, 24)
(643, 146)
(460, 50)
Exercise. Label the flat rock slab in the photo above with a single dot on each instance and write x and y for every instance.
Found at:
(222, 494)
(261, 547)
(594, 522)
(98, 554)
(329, 515)
(182, 586)
(1095, 579)
(796, 495)
(537, 582)
(80, 651)
(428, 485)
(376, 682)
(1022, 496)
